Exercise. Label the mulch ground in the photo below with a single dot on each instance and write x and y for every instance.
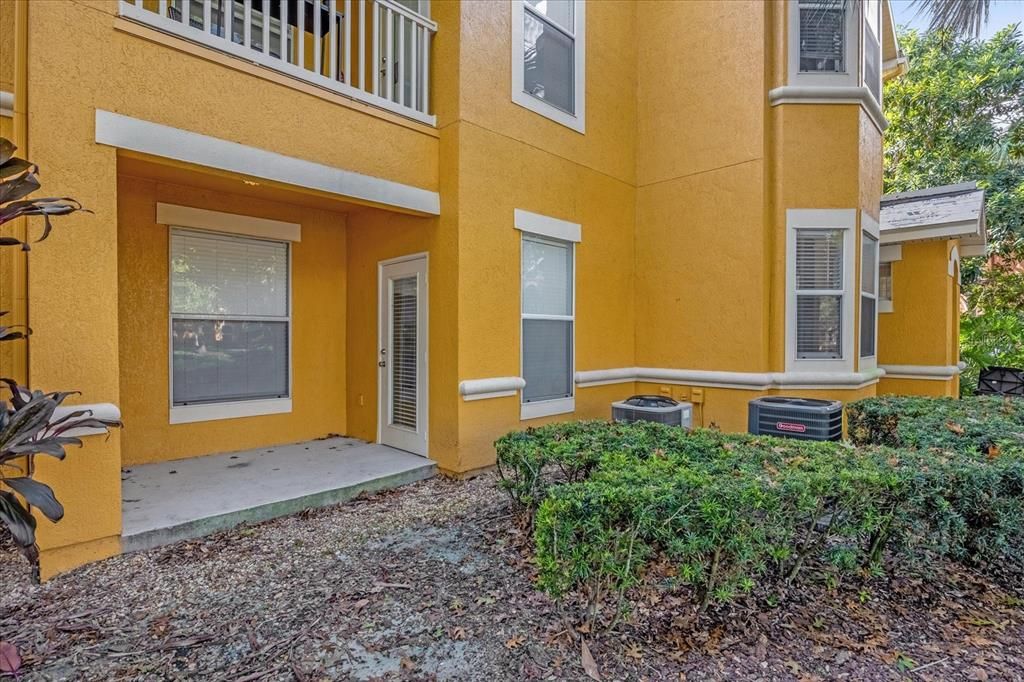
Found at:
(434, 581)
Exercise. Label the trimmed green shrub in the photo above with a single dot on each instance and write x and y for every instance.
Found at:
(972, 425)
(531, 461)
(729, 513)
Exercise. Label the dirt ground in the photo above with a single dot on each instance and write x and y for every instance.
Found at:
(434, 581)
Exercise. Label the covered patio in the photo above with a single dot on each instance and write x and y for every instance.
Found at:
(165, 502)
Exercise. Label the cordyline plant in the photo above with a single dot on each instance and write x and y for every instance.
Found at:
(30, 423)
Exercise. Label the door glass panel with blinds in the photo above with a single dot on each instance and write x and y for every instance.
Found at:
(819, 294)
(548, 52)
(547, 318)
(229, 318)
(404, 325)
(823, 36)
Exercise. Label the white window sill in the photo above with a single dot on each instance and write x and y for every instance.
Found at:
(186, 414)
(547, 408)
(539, 106)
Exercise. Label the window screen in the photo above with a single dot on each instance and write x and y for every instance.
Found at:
(229, 318)
(547, 319)
(885, 282)
(868, 295)
(823, 36)
(549, 46)
(819, 294)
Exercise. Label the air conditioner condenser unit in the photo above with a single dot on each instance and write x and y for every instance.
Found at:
(653, 408)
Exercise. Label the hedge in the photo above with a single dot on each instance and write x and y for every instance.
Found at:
(728, 513)
(972, 425)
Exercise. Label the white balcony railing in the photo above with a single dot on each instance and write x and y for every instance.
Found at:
(376, 51)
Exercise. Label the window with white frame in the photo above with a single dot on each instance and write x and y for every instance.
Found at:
(230, 318)
(820, 296)
(548, 319)
(872, 69)
(885, 287)
(548, 59)
(868, 294)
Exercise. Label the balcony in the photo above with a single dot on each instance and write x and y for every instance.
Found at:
(374, 51)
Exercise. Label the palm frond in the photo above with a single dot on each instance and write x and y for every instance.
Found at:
(961, 17)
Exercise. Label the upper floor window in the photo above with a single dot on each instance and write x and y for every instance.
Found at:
(868, 293)
(548, 59)
(873, 47)
(835, 43)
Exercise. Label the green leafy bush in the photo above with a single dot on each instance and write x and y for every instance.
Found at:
(731, 513)
(971, 425)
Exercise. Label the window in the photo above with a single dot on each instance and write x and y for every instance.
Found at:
(885, 287)
(873, 48)
(823, 36)
(868, 294)
(821, 298)
(230, 323)
(819, 294)
(547, 325)
(548, 59)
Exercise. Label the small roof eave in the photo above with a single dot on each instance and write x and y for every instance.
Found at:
(948, 212)
(894, 62)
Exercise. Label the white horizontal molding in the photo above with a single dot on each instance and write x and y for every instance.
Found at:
(750, 381)
(146, 137)
(495, 387)
(971, 250)
(545, 226)
(6, 104)
(830, 94)
(104, 411)
(547, 408)
(927, 372)
(187, 414)
(233, 223)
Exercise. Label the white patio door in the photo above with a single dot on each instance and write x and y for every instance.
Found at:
(402, 356)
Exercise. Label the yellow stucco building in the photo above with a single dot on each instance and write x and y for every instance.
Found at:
(424, 223)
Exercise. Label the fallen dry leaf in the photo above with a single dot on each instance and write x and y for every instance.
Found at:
(589, 664)
(955, 428)
(634, 651)
(457, 632)
(10, 660)
(514, 642)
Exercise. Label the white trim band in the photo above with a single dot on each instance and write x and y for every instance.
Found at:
(105, 411)
(205, 412)
(495, 387)
(927, 372)
(147, 137)
(830, 94)
(749, 381)
(6, 104)
(547, 408)
(232, 223)
(546, 226)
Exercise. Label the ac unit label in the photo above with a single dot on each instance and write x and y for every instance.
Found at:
(790, 426)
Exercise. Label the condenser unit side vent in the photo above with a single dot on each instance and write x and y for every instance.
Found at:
(657, 409)
(800, 418)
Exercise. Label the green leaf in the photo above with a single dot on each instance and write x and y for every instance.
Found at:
(37, 494)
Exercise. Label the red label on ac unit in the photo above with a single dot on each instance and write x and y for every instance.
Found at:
(789, 426)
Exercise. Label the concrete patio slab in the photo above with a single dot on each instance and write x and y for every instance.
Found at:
(170, 501)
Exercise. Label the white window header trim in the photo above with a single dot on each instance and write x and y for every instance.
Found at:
(545, 226)
(231, 223)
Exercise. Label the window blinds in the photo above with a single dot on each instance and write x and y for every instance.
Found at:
(547, 324)
(229, 318)
(819, 294)
(823, 36)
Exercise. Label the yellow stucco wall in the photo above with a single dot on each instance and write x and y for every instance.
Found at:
(318, 352)
(923, 328)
